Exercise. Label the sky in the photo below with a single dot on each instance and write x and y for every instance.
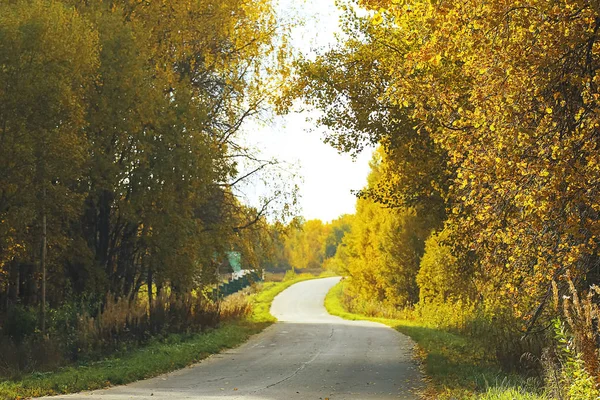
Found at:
(326, 178)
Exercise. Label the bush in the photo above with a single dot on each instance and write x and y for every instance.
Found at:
(442, 276)
(21, 322)
(566, 373)
(507, 346)
(235, 306)
(33, 353)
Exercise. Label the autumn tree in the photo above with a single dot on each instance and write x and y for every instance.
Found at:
(349, 86)
(383, 250)
(121, 124)
(406, 197)
(304, 244)
(509, 91)
(48, 59)
(336, 230)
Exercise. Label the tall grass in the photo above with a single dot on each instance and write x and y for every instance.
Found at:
(118, 325)
(471, 355)
(573, 365)
(505, 343)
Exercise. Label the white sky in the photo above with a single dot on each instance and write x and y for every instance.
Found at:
(327, 177)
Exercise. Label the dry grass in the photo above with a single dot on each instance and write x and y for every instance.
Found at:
(235, 306)
(581, 314)
(274, 276)
(572, 367)
(120, 324)
(162, 353)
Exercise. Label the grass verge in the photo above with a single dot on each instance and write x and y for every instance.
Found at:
(158, 357)
(456, 367)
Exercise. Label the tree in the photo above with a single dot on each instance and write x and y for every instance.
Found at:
(304, 244)
(349, 85)
(383, 250)
(149, 99)
(48, 54)
(443, 277)
(335, 232)
(509, 90)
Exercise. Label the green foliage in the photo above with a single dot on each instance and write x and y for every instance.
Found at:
(20, 322)
(125, 138)
(336, 230)
(507, 392)
(575, 382)
(49, 59)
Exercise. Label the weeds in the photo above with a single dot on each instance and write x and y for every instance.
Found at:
(120, 324)
(572, 366)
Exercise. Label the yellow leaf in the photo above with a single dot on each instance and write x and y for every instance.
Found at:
(377, 19)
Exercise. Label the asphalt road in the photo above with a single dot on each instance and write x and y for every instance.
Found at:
(308, 354)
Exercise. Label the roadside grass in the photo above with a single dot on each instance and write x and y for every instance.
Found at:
(456, 367)
(174, 352)
(274, 276)
(157, 357)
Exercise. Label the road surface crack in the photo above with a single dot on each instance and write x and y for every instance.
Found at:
(300, 368)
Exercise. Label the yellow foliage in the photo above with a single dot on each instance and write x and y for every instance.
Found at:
(514, 101)
(442, 276)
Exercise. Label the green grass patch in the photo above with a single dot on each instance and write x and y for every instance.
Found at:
(158, 357)
(456, 367)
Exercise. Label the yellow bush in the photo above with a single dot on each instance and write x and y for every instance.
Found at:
(442, 276)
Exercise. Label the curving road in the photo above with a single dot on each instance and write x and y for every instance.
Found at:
(308, 354)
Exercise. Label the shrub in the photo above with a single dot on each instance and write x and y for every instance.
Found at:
(442, 276)
(33, 353)
(235, 306)
(572, 366)
(501, 335)
(566, 374)
(21, 322)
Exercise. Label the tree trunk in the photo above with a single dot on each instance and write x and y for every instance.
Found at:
(14, 283)
(150, 313)
(43, 261)
(103, 231)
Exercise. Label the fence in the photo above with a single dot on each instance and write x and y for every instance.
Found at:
(238, 284)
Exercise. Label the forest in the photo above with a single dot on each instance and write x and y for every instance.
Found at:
(120, 166)
(121, 158)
